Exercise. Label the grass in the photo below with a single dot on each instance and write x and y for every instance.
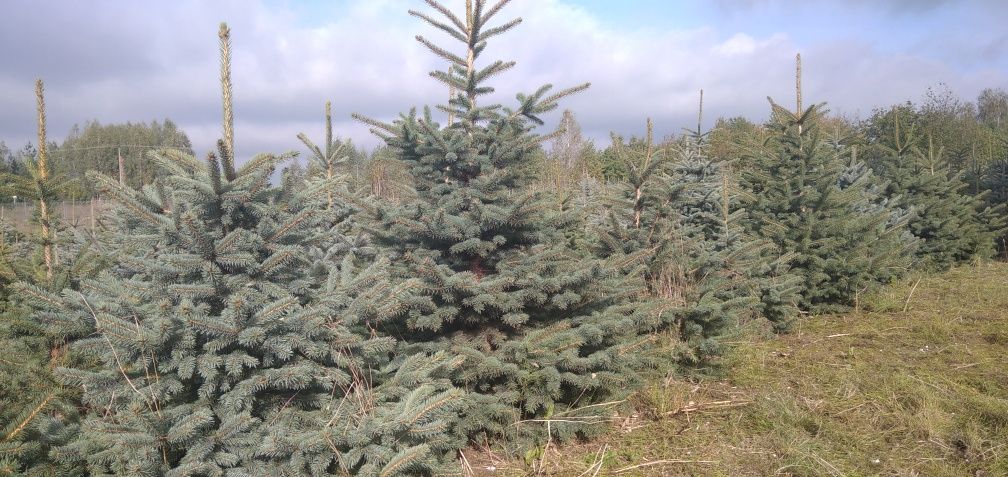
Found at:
(916, 383)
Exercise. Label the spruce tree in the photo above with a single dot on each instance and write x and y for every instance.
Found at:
(222, 355)
(36, 412)
(953, 225)
(542, 329)
(801, 196)
(710, 203)
(997, 198)
(677, 209)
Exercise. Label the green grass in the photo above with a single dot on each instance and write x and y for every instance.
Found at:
(880, 391)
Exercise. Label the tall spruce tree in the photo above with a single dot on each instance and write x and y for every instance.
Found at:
(543, 330)
(676, 208)
(222, 355)
(710, 202)
(801, 196)
(953, 225)
(37, 412)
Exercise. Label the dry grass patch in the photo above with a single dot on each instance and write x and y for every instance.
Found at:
(880, 391)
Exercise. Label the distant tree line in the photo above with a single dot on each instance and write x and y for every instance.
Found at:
(98, 147)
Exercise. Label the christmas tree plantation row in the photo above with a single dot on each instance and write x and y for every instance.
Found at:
(225, 326)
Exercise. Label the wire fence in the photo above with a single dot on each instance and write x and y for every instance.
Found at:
(75, 213)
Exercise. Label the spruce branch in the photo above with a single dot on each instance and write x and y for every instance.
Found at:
(551, 101)
(492, 32)
(404, 459)
(441, 26)
(31, 416)
(311, 145)
(443, 53)
(453, 82)
(494, 10)
(494, 68)
(375, 123)
(448, 14)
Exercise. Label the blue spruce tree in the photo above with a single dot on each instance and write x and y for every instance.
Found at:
(543, 330)
(803, 197)
(222, 355)
(37, 413)
(677, 209)
(953, 226)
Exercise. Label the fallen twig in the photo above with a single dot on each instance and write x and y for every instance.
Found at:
(912, 290)
(467, 469)
(596, 465)
(661, 462)
(705, 406)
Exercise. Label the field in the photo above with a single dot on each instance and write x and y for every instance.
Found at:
(916, 383)
(441, 281)
(74, 213)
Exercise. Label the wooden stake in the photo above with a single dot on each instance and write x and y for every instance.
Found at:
(122, 168)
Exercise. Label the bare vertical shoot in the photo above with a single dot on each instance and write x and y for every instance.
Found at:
(328, 148)
(45, 219)
(725, 171)
(798, 100)
(638, 193)
(225, 63)
(699, 121)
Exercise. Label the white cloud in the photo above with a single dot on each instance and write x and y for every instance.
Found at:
(363, 57)
(739, 44)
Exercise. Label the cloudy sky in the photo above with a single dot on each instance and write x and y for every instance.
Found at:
(118, 61)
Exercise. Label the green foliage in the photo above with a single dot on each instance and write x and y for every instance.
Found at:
(824, 212)
(542, 329)
(677, 211)
(97, 147)
(876, 392)
(235, 335)
(997, 197)
(375, 314)
(36, 412)
(953, 226)
(220, 354)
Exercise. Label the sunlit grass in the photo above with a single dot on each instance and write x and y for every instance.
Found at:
(878, 391)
